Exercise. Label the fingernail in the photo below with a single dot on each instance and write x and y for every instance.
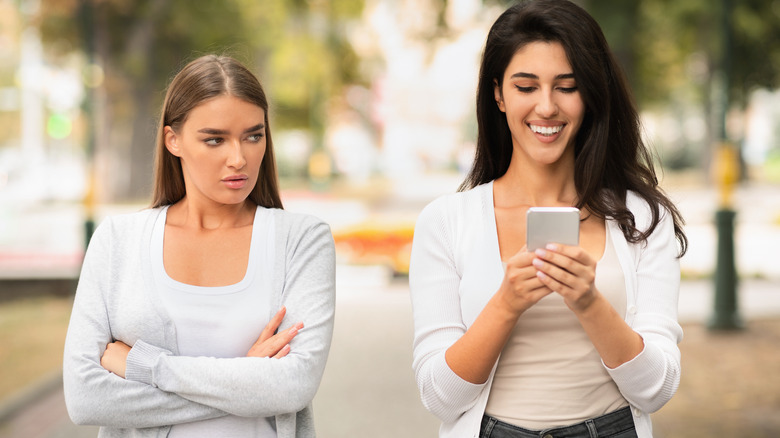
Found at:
(540, 252)
(541, 275)
(538, 263)
(551, 246)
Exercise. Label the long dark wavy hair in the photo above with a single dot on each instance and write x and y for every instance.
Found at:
(610, 155)
(204, 78)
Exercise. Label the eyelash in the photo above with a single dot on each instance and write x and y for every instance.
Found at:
(566, 90)
(216, 141)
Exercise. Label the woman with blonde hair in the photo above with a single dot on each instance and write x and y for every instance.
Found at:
(210, 313)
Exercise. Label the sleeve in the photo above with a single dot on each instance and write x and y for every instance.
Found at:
(434, 283)
(650, 379)
(92, 394)
(261, 387)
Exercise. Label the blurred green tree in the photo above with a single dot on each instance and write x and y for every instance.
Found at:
(298, 48)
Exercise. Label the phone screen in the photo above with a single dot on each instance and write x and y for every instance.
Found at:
(552, 225)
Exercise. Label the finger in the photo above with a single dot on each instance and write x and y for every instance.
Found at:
(549, 282)
(290, 333)
(575, 253)
(564, 281)
(550, 275)
(272, 325)
(279, 340)
(516, 275)
(521, 258)
(283, 352)
(558, 259)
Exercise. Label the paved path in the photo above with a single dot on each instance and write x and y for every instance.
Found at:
(368, 388)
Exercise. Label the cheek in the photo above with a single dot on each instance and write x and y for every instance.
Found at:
(259, 154)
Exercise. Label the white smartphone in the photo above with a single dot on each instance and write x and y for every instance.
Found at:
(552, 225)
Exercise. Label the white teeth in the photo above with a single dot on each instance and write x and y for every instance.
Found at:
(546, 130)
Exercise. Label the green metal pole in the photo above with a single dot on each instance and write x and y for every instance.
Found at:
(726, 316)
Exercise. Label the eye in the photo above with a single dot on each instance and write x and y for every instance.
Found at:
(524, 89)
(255, 138)
(567, 90)
(214, 141)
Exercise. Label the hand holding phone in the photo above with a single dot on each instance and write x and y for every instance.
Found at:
(552, 225)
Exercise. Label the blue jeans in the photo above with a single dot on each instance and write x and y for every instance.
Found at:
(618, 424)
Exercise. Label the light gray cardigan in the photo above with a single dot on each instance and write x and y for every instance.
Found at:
(116, 300)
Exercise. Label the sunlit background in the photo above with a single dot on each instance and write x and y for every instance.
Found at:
(372, 114)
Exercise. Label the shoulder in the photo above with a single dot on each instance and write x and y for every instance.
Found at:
(295, 231)
(644, 212)
(456, 205)
(127, 226)
(135, 218)
(121, 234)
(294, 222)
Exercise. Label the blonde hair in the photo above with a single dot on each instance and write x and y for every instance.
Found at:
(204, 78)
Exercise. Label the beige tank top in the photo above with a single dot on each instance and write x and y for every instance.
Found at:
(549, 373)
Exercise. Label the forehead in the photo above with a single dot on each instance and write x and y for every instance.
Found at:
(225, 110)
(539, 58)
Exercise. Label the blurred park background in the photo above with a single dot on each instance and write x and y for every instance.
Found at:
(372, 112)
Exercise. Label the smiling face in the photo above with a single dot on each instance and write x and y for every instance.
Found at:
(221, 146)
(544, 109)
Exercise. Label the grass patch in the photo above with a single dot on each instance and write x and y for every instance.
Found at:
(32, 336)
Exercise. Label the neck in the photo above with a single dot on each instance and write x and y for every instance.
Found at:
(536, 185)
(207, 217)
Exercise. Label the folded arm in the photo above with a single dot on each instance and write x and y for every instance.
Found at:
(260, 386)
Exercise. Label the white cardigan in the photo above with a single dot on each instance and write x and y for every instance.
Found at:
(455, 241)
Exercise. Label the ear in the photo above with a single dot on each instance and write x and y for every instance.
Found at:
(171, 141)
(499, 95)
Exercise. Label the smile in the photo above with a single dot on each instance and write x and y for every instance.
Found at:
(546, 130)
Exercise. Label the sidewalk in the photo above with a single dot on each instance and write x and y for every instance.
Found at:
(728, 377)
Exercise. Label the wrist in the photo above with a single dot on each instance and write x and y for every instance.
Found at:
(591, 307)
(503, 310)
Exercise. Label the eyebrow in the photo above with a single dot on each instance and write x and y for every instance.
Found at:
(533, 76)
(212, 131)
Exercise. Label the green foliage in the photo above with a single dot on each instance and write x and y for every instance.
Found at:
(144, 42)
(756, 45)
(678, 45)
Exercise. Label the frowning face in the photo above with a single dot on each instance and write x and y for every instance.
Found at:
(221, 146)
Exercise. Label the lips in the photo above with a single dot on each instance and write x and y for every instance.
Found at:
(546, 131)
(546, 128)
(235, 181)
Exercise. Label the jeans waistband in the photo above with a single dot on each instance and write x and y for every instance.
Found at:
(619, 421)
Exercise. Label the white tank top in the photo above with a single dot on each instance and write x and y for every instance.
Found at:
(549, 373)
(220, 321)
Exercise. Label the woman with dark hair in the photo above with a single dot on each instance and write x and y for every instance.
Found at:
(569, 340)
(177, 324)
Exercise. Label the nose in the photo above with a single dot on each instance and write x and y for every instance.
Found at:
(236, 157)
(546, 106)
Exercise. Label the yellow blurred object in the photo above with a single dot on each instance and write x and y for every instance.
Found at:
(726, 172)
(89, 196)
(377, 243)
(319, 167)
